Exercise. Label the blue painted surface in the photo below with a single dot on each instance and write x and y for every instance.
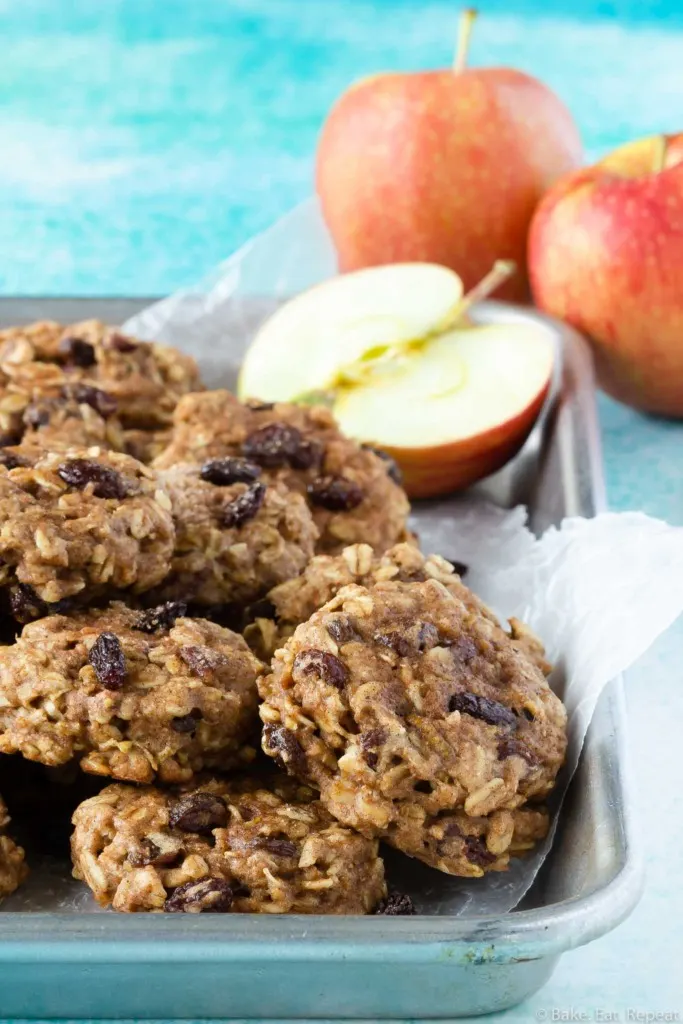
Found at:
(143, 141)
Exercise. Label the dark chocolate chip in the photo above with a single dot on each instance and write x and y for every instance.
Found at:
(77, 351)
(335, 493)
(200, 813)
(107, 658)
(396, 904)
(245, 507)
(490, 711)
(209, 895)
(282, 745)
(279, 847)
(322, 664)
(161, 617)
(107, 483)
(187, 723)
(274, 445)
(529, 715)
(395, 641)
(230, 470)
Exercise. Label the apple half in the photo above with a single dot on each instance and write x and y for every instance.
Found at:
(450, 405)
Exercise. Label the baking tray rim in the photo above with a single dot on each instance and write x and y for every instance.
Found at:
(537, 932)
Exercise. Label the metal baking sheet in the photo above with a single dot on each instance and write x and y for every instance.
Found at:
(107, 965)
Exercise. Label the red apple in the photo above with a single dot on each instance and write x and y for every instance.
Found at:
(606, 255)
(442, 166)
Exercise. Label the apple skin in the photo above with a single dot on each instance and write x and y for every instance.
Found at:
(442, 469)
(442, 167)
(606, 255)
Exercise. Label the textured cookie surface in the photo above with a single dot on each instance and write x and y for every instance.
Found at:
(145, 380)
(235, 536)
(419, 721)
(13, 869)
(133, 695)
(294, 602)
(251, 846)
(79, 524)
(351, 490)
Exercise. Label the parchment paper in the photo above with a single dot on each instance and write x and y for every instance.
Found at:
(598, 592)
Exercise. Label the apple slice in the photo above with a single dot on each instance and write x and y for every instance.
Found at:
(349, 319)
(456, 408)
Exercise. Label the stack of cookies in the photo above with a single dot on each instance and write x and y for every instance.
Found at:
(218, 606)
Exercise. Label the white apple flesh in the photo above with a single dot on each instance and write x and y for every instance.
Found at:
(458, 408)
(307, 341)
(451, 405)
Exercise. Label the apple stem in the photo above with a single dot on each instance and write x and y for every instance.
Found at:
(467, 19)
(499, 272)
(661, 144)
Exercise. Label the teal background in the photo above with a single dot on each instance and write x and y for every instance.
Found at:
(142, 141)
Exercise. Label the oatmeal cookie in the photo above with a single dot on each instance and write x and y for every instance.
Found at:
(72, 416)
(79, 524)
(418, 720)
(144, 379)
(145, 445)
(294, 601)
(13, 869)
(352, 490)
(245, 847)
(235, 536)
(133, 695)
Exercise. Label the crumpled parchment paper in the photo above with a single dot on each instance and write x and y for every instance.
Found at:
(597, 591)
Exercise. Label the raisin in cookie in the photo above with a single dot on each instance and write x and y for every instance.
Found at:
(235, 536)
(144, 379)
(352, 491)
(417, 719)
(79, 524)
(72, 416)
(13, 869)
(133, 695)
(294, 601)
(246, 846)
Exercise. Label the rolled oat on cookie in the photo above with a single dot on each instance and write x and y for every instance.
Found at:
(137, 696)
(291, 603)
(78, 525)
(419, 721)
(353, 492)
(246, 846)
